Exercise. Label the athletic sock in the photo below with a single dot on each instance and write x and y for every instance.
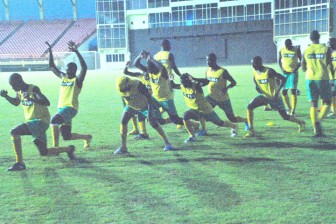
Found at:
(323, 111)
(17, 148)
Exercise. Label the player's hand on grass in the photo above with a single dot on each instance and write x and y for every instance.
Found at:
(3, 93)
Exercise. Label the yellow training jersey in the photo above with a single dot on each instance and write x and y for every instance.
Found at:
(163, 58)
(333, 62)
(133, 98)
(160, 87)
(266, 84)
(196, 100)
(316, 58)
(217, 84)
(33, 110)
(69, 92)
(289, 58)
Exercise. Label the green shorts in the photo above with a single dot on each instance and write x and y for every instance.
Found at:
(68, 113)
(224, 105)
(167, 105)
(142, 114)
(318, 88)
(292, 80)
(38, 129)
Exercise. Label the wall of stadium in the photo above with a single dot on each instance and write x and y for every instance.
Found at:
(233, 43)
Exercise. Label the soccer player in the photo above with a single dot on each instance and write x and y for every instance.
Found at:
(35, 108)
(166, 58)
(290, 62)
(162, 95)
(200, 108)
(218, 89)
(70, 89)
(144, 79)
(332, 45)
(265, 79)
(138, 102)
(315, 62)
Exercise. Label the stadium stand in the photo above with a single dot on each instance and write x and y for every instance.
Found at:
(79, 32)
(7, 28)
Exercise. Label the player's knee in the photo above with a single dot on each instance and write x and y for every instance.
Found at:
(154, 123)
(176, 119)
(13, 132)
(294, 92)
(250, 106)
(66, 136)
(57, 120)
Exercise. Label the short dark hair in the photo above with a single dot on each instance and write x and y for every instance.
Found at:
(165, 45)
(314, 35)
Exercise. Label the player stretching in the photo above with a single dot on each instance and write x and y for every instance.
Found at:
(200, 108)
(316, 59)
(218, 91)
(35, 108)
(265, 80)
(162, 95)
(290, 62)
(138, 102)
(70, 89)
(144, 79)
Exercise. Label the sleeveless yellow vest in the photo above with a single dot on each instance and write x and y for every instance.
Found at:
(33, 110)
(163, 58)
(216, 84)
(133, 98)
(69, 93)
(160, 87)
(266, 84)
(289, 59)
(196, 100)
(316, 58)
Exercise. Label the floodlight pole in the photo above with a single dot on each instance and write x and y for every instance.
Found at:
(74, 9)
(5, 2)
(40, 3)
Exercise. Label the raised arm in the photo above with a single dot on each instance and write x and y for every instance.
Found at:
(12, 100)
(82, 74)
(133, 74)
(52, 65)
(137, 63)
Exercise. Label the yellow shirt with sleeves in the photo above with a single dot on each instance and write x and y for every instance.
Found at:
(195, 100)
(133, 98)
(33, 110)
(266, 84)
(69, 93)
(316, 59)
(289, 59)
(333, 62)
(216, 84)
(163, 58)
(160, 87)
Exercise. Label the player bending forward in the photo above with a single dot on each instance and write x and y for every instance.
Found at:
(138, 102)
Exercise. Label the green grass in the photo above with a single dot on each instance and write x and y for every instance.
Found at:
(281, 176)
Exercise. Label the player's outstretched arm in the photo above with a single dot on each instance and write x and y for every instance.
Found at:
(133, 74)
(82, 74)
(14, 101)
(52, 65)
(137, 62)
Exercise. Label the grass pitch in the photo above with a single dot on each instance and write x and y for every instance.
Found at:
(281, 176)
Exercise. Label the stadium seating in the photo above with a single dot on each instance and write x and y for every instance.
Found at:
(29, 40)
(7, 28)
(79, 32)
